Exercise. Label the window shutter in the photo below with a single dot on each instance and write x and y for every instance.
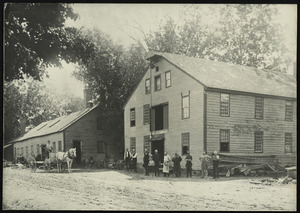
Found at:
(152, 126)
(166, 116)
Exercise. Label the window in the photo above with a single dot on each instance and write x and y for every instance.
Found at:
(156, 69)
(37, 149)
(157, 85)
(185, 141)
(185, 106)
(224, 105)
(288, 111)
(22, 152)
(59, 144)
(100, 123)
(259, 108)
(146, 114)
(101, 147)
(147, 143)
(168, 79)
(31, 150)
(288, 142)
(224, 140)
(132, 144)
(159, 117)
(18, 152)
(147, 86)
(54, 146)
(26, 152)
(258, 141)
(15, 153)
(132, 117)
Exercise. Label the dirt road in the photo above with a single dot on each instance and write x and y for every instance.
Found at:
(114, 190)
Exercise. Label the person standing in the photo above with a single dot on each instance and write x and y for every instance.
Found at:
(177, 159)
(134, 159)
(146, 161)
(166, 164)
(156, 159)
(127, 157)
(216, 161)
(48, 149)
(204, 159)
(188, 164)
(151, 165)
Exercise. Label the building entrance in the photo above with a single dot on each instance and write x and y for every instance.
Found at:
(160, 146)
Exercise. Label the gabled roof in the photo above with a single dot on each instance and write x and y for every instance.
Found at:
(55, 125)
(226, 76)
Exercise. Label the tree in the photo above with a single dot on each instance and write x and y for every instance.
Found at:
(32, 100)
(35, 38)
(110, 71)
(240, 34)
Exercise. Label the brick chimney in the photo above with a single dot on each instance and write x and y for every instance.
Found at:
(87, 92)
(22, 126)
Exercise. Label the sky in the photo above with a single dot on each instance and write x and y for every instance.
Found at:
(121, 22)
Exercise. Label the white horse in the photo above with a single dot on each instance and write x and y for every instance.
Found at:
(68, 157)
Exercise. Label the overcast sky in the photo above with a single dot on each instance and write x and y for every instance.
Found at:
(119, 22)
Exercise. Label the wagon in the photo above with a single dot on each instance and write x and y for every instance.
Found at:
(48, 164)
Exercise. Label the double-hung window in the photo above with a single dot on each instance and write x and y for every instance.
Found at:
(258, 141)
(185, 142)
(224, 140)
(259, 108)
(132, 144)
(288, 142)
(157, 81)
(147, 86)
(224, 105)
(288, 111)
(185, 106)
(132, 117)
(168, 78)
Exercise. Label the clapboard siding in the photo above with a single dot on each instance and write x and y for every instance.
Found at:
(182, 84)
(85, 130)
(242, 124)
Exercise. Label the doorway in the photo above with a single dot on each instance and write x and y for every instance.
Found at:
(44, 155)
(77, 145)
(160, 146)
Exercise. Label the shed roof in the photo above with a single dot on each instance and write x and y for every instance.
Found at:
(56, 125)
(233, 77)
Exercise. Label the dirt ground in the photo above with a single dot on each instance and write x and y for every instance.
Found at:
(122, 190)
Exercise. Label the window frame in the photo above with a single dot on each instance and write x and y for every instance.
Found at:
(262, 142)
(166, 80)
(26, 151)
(144, 114)
(220, 133)
(256, 109)
(285, 141)
(286, 111)
(155, 85)
(189, 142)
(148, 92)
(131, 120)
(182, 108)
(221, 115)
(131, 142)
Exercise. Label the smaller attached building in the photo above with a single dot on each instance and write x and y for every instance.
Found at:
(85, 130)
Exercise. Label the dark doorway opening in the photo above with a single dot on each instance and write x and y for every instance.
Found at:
(44, 155)
(160, 146)
(77, 145)
(159, 117)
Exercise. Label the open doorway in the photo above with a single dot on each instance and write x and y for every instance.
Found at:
(77, 145)
(160, 146)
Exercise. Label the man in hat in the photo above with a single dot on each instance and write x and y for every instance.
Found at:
(204, 159)
(146, 162)
(127, 157)
(156, 159)
(134, 159)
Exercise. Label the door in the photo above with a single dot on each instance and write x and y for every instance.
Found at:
(77, 145)
(160, 146)
(44, 155)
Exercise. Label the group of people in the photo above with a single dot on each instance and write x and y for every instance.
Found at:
(151, 163)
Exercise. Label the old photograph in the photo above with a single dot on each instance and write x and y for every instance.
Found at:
(149, 107)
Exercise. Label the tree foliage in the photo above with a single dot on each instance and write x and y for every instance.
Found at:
(32, 100)
(110, 71)
(35, 38)
(240, 34)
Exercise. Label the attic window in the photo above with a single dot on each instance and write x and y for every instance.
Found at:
(41, 127)
(54, 123)
(156, 69)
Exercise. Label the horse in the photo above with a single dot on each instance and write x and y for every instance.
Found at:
(65, 157)
(47, 164)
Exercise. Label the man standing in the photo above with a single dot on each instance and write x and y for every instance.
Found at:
(188, 164)
(134, 159)
(166, 165)
(48, 149)
(216, 161)
(146, 162)
(156, 161)
(127, 157)
(204, 161)
(177, 159)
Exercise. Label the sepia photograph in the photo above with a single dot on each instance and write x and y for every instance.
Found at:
(149, 107)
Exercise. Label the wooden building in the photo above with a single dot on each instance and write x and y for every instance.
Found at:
(92, 133)
(184, 103)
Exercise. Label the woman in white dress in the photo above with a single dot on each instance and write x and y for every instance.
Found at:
(166, 164)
